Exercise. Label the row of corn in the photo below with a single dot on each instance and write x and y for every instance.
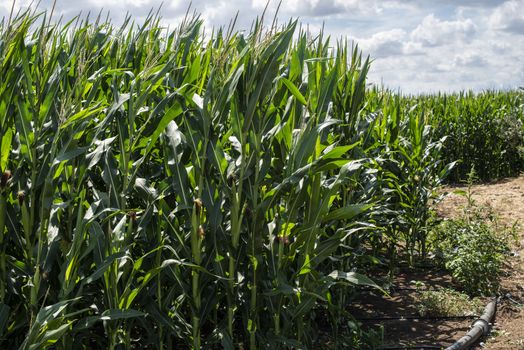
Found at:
(171, 190)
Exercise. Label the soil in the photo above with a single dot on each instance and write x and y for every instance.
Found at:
(506, 199)
(397, 312)
(398, 315)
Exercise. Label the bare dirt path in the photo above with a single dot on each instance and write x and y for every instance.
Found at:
(506, 199)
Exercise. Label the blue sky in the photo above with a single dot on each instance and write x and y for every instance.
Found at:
(417, 46)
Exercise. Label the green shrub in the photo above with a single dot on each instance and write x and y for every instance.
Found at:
(473, 253)
(473, 247)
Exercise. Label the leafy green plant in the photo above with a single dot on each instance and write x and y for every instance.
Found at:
(473, 247)
(473, 253)
(355, 337)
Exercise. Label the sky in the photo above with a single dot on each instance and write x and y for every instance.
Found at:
(417, 46)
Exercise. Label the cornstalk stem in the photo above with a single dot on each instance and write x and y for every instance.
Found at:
(196, 246)
(236, 220)
(159, 281)
(3, 275)
(195, 276)
(254, 215)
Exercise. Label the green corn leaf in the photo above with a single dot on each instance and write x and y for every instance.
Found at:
(108, 315)
(294, 91)
(6, 145)
(347, 212)
(355, 278)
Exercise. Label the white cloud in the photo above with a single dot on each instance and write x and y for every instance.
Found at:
(509, 17)
(318, 8)
(462, 62)
(447, 54)
(386, 43)
(122, 3)
(434, 32)
(440, 3)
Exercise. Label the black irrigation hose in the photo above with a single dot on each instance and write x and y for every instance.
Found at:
(366, 288)
(480, 327)
(417, 290)
(406, 318)
(412, 347)
(414, 289)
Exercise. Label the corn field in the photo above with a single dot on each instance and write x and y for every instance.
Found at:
(486, 131)
(167, 189)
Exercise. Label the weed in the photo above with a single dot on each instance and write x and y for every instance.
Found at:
(447, 302)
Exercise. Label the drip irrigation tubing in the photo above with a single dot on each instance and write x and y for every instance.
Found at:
(414, 289)
(509, 297)
(412, 347)
(408, 289)
(407, 318)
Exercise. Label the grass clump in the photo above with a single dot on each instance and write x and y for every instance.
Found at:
(447, 302)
